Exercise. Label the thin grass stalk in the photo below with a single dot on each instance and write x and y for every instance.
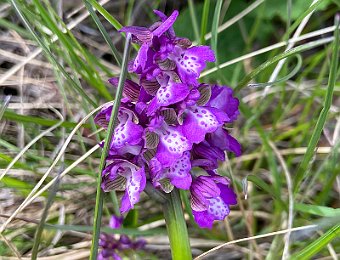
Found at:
(106, 36)
(4, 105)
(40, 228)
(193, 19)
(214, 28)
(281, 56)
(113, 119)
(301, 172)
(204, 22)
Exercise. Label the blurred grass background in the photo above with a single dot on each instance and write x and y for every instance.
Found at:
(55, 59)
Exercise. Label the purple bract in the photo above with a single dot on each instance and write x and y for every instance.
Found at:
(169, 122)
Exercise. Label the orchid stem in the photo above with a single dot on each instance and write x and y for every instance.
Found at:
(176, 227)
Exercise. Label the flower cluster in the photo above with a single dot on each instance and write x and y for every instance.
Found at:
(111, 246)
(169, 123)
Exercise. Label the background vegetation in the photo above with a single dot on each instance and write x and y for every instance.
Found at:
(55, 59)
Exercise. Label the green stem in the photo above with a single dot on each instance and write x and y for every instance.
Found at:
(99, 197)
(176, 227)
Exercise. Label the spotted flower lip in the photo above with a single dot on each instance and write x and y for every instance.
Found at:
(172, 144)
(190, 62)
(167, 95)
(168, 123)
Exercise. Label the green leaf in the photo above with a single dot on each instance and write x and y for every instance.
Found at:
(301, 172)
(23, 187)
(317, 210)
(315, 247)
(11, 115)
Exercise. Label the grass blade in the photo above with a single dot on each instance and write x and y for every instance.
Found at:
(101, 28)
(318, 244)
(214, 27)
(41, 225)
(204, 22)
(323, 115)
(113, 118)
(50, 55)
(193, 19)
(318, 210)
(113, 21)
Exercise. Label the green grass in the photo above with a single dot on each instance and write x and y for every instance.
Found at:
(299, 114)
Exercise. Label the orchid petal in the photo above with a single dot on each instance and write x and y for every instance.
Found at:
(168, 95)
(198, 122)
(166, 24)
(191, 62)
(203, 218)
(222, 139)
(223, 99)
(141, 33)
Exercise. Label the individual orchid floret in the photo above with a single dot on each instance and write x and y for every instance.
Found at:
(223, 140)
(145, 35)
(127, 134)
(172, 143)
(206, 156)
(222, 98)
(122, 175)
(177, 175)
(190, 62)
(210, 199)
(168, 94)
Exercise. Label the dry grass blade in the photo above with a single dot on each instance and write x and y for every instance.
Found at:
(38, 51)
(290, 45)
(285, 254)
(269, 48)
(60, 154)
(257, 237)
(236, 18)
(33, 141)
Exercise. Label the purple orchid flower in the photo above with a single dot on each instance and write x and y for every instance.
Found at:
(210, 199)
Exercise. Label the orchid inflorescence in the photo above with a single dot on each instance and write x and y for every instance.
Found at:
(169, 123)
